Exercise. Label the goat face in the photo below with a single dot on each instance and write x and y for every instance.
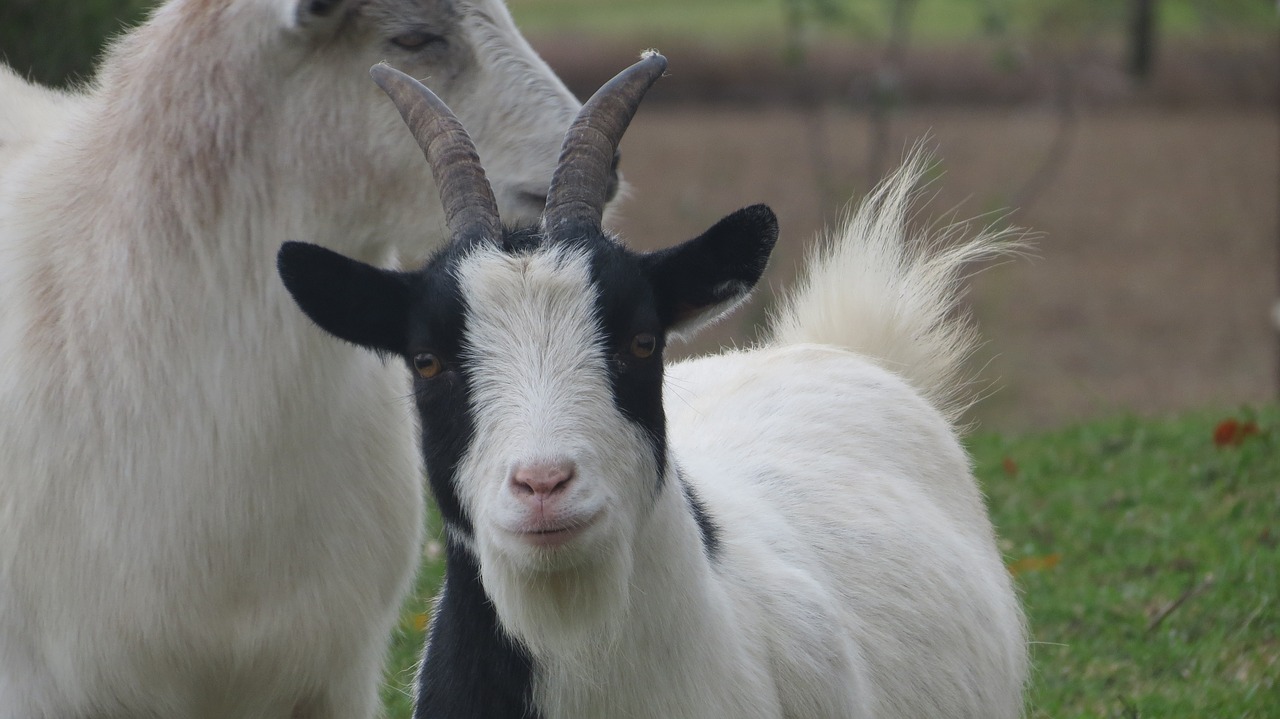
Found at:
(467, 51)
(567, 430)
(538, 383)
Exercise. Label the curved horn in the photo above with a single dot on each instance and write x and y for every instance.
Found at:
(579, 188)
(470, 210)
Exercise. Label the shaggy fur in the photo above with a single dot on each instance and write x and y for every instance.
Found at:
(872, 289)
(208, 508)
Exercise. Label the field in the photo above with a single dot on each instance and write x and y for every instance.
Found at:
(1147, 556)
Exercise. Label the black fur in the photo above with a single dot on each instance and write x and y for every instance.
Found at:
(471, 668)
(626, 307)
(438, 325)
(706, 525)
(714, 269)
(363, 305)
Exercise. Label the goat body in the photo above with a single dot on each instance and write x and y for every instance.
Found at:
(207, 508)
(829, 458)
(787, 531)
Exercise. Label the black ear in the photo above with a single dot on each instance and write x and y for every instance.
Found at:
(696, 282)
(353, 301)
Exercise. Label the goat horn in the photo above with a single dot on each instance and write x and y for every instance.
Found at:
(470, 210)
(580, 186)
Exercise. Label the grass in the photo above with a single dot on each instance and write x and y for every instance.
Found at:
(1147, 558)
(407, 642)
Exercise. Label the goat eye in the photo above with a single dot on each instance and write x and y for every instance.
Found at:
(643, 345)
(416, 40)
(427, 364)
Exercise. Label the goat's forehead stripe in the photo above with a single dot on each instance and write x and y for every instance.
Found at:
(532, 349)
(527, 303)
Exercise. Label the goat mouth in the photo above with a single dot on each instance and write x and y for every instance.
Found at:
(551, 535)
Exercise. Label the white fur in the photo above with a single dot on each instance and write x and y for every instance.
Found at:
(541, 396)
(858, 574)
(208, 508)
(891, 294)
(28, 113)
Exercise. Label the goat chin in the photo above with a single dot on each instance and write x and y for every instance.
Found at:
(563, 612)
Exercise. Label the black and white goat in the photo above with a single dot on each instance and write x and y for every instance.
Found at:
(794, 533)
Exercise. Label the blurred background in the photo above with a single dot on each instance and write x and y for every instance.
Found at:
(1139, 138)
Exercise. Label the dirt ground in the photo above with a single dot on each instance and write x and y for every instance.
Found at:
(1152, 281)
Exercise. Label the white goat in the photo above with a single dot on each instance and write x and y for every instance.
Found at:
(795, 532)
(193, 522)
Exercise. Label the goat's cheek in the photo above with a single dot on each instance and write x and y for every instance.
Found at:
(493, 504)
(491, 501)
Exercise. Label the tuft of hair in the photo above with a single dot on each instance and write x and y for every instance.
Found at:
(876, 287)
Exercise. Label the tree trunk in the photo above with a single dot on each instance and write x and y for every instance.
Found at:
(1142, 38)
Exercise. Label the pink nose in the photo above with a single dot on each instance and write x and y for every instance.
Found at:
(542, 480)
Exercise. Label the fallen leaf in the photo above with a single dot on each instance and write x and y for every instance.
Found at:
(419, 621)
(1010, 466)
(1034, 564)
(1231, 432)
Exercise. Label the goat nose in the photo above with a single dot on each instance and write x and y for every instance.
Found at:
(542, 480)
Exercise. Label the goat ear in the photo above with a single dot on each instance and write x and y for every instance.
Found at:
(699, 281)
(350, 300)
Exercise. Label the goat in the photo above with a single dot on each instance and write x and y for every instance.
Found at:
(793, 532)
(191, 524)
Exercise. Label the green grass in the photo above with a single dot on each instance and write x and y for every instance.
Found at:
(1147, 559)
(406, 646)
(1165, 597)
